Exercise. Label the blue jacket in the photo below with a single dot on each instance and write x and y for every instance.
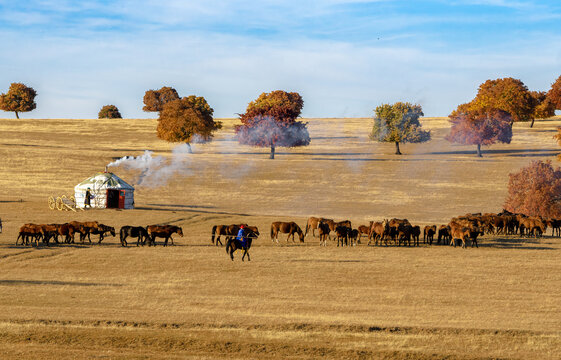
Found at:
(241, 235)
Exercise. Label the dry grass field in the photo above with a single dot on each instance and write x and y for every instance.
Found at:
(501, 300)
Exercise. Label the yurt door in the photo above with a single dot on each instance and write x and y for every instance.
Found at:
(122, 199)
(112, 199)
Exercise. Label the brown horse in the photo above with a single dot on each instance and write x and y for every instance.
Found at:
(380, 230)
(313, 223)
(428, 234)
(68, 231)
(27, 232)
(229, 231)
(289, 228)
(364, 230)
(163, 231)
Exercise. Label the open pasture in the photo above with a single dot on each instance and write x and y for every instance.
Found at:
(297, 300)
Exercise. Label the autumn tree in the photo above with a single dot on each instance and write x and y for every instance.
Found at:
(154, 100)
(507, 94)
(472, 126)
(187, 120)
(535, 190)
(109, 112)
(554, 94)
(270, 121)
(398, 123)
(19, 98)
(542, 105)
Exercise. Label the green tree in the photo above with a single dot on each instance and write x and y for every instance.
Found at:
(19, 98)
(187, 120)
(109, 112)
(398, 123)
(154, 100)
(270, 121)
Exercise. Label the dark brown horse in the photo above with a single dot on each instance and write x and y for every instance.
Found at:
(233, 244)
(162, 231)
(289, 228)
(102, 230)
(323, 231)
(139, 232)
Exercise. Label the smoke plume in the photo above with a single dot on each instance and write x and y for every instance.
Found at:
(156, 170)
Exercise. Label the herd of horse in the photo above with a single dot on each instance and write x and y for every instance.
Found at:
(31, 234)
(461, 230)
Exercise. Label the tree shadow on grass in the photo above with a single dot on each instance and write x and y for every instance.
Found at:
(191, 210)
(505, 152)
(513, 243)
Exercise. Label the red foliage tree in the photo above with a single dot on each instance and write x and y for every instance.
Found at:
(479, 127)
(535, 190)
(554, 94)
(270, 121)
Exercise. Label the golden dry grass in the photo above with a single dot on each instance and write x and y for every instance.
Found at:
(301, 301)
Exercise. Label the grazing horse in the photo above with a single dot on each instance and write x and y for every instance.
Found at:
(428, 234)
(84, 228)
(313, 223)
(101, 230)
(289, 228)
(163, 231)
(323, 231)
(28, 231)
(138, 232)
(233, 244)
(49, 231)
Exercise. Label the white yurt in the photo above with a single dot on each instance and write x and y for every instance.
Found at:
(108, 190)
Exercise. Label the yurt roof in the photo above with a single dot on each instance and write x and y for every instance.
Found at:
(105, 180)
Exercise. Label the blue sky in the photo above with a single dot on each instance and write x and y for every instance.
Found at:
(344, 57)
